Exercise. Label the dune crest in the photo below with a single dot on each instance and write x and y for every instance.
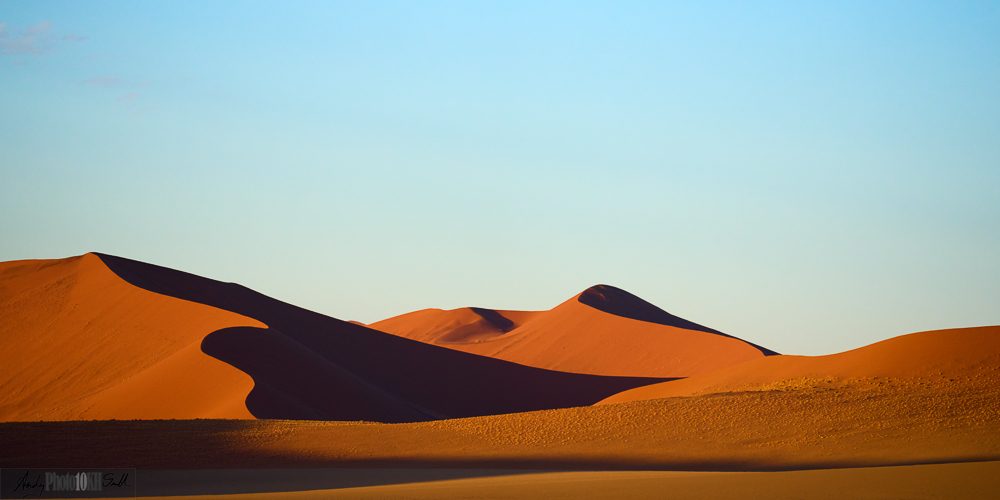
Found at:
(603, 331)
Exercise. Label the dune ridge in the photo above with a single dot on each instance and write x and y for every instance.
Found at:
(603, 331)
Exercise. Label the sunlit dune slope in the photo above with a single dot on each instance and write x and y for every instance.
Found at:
(77, 342)
(956, 357)
(603, 331)
(309, 366)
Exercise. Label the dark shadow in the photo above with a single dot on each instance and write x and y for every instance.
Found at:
(494, 318)
(206, 445)
(621, 303)
(310, 366)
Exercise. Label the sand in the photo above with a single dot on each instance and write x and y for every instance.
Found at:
(965, 481)
(622, 337)
(951, 357)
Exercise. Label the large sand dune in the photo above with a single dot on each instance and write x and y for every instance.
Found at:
(603, 330)
(99, 336)
(80, 343)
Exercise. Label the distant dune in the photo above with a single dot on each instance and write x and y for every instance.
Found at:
(957, 357)
(105, 337)
(602, 331)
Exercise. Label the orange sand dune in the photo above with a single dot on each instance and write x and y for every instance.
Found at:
(306, 365)
(79, 342)
(603, 331)
(951, 356)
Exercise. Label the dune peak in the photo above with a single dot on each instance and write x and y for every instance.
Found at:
(613, 300)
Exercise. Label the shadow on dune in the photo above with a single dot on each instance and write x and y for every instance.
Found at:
(313, 367)
(616, 301)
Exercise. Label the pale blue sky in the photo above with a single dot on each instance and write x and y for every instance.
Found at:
(810, 176)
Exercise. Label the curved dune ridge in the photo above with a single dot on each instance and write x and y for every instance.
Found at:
(309, 366)
(961, 357)
(601, 331)
(80, 343)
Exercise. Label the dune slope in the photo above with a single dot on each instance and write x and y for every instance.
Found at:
(603, 331)
(309, 366)
(958, 357)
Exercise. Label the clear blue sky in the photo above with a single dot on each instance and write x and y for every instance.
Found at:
(810, 176)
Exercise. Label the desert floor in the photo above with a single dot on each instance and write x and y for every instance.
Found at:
(974, 480)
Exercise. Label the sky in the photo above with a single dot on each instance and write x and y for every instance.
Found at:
(809, 176)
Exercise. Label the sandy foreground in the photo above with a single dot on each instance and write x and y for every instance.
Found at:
(874, 423)
(976, 480)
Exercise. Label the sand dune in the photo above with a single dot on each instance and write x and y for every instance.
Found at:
(79, 342)
(603, 331)
(106, 337)
(955, 357)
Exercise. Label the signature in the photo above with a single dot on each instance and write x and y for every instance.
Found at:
(25, 484)
(28, 488)
(109, 480)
